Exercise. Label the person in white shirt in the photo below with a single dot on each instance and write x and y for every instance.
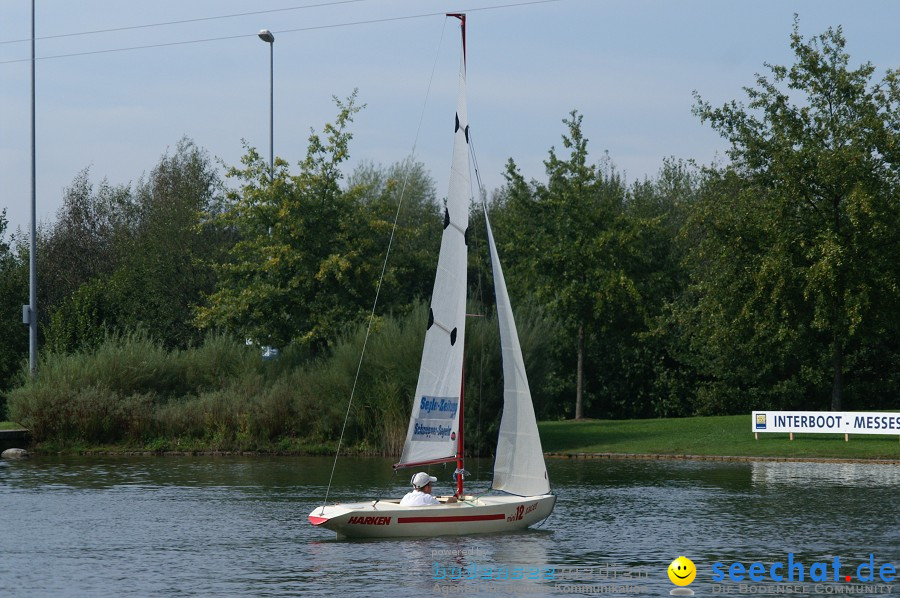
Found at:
(421, 493)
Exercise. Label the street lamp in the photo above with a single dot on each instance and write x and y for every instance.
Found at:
(269, 38)
(29, 312)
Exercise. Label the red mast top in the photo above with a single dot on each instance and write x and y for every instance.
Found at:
(462, 19)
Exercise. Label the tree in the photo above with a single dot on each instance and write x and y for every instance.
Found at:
(655, 379)
(404, 190)
(296, 272)
(13, 294)
(581, 253)
(123, 259)
(811, 255)
(84, 242)
(167, 267)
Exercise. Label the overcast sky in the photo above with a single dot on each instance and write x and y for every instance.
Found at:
(629, 66)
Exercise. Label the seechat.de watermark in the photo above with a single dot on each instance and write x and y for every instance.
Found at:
(795, 576)
(787, 576)
(796, 570)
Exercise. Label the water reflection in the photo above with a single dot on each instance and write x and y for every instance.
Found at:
(772, 474)
(237, 526)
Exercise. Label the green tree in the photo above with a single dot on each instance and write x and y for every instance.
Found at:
(797, 245)
(167, 267)
(122, 260)
(13, 294)
(582, 255)
(404, 190)
(85, 241)
(297, 272)
(656, 379)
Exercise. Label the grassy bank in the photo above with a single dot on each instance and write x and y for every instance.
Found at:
(703, 436)
(720, 436)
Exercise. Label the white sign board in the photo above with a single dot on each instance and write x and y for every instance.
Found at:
(826, 422)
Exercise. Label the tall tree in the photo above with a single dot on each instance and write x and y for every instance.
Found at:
(121, 259)
(296, 272)
(581, 252)
(404, 190)
(13, 294)
(85, 241)
(656, 381)
(814, 193)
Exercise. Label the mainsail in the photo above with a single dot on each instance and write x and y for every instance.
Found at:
(519, 466)
(434, 423)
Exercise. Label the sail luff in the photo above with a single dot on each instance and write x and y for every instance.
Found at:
(519, 466)
(434, 421)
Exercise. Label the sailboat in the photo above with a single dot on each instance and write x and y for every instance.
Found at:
(435, 433)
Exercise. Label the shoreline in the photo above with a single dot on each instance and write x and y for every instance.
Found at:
(726, 458)
(548, 455)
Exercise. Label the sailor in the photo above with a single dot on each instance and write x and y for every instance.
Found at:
(421, 492)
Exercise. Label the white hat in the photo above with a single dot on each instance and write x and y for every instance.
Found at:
(422, 479)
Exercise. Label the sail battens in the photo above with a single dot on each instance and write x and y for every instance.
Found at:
(432, 434)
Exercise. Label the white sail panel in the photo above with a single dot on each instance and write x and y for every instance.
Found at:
(434, 423)
(519, 466)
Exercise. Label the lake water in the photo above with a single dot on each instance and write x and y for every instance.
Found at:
(237, 526)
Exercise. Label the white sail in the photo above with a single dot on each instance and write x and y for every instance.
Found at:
(519, 466)
(434, 423)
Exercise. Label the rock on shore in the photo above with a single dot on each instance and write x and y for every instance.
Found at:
(15, 453)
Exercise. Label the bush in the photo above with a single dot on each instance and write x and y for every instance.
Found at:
(221, 395)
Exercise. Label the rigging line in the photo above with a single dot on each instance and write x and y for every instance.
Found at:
(299, 29)
(482, 306)
(387, 254)
(183, 21)
(481, 298)
(481, 190)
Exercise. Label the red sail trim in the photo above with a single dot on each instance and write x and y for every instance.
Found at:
(418, 463)
(457, 519)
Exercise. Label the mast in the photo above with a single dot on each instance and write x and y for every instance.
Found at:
(460, 471)
(434, 432)
(459, 447)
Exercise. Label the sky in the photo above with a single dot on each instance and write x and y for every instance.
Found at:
(630, 67)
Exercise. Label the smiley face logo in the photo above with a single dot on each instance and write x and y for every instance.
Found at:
(682, 571)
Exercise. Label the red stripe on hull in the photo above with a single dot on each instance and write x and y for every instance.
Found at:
(317, 520)
(460, 518)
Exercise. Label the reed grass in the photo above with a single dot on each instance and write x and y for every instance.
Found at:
(221, 396)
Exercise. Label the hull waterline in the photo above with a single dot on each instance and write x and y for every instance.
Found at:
(387, 519)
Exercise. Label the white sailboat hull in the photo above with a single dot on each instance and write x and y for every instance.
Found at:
(387, 519)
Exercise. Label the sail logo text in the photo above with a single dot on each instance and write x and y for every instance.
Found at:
(370, 520)
(439, 407)
(423, 432)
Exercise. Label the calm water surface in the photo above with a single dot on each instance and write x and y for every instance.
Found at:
(237, 527)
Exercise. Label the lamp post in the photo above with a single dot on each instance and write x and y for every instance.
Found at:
(269, 38)
(29, 312)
